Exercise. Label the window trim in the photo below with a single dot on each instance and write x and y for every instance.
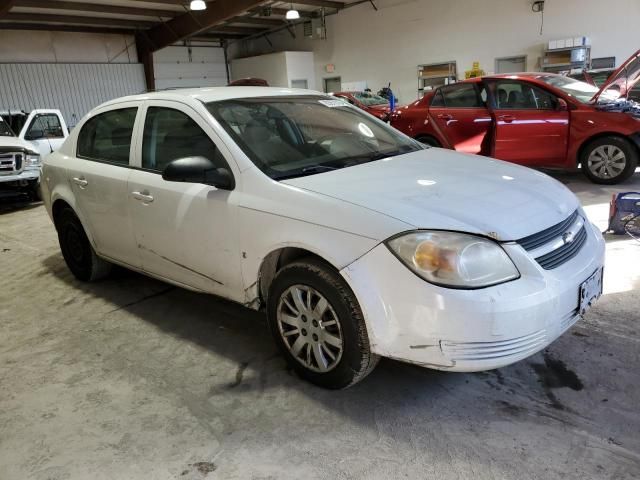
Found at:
(112, 108)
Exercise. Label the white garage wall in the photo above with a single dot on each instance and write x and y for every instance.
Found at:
(278, 69)
(387, 45)
(194, 66)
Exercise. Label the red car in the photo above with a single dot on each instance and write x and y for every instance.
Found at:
(369, 102)
(535, 119)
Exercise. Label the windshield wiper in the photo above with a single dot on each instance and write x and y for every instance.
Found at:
(317, 168)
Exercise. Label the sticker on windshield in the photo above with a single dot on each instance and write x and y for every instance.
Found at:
(333, 103)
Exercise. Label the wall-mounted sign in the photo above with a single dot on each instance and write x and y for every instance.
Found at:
(330, 68)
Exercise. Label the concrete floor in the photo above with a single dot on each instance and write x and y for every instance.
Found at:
(133, 379)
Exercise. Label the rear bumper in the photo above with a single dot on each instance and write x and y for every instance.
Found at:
(469, 330)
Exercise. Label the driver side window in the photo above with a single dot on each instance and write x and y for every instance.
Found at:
(169, 135)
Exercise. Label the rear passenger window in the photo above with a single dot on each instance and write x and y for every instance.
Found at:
(107, 136)
(522, 96)
(437, 100)
(169, 135)
(461, 95)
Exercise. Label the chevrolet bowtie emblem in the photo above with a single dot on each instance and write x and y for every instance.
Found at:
(567, 237)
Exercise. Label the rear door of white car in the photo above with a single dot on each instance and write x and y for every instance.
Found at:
(186, 232)
(99, 173)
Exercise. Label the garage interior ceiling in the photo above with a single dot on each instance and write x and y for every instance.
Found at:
(160, 22)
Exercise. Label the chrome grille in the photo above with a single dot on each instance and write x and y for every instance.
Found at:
(557, 244)
(10, 163)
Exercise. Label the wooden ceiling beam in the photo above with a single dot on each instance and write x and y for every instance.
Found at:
(77, 20)
(64, 28)
(5, 6)
(96, 8)
(322, 3)
(193, 23)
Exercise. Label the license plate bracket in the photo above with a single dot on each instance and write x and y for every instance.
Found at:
(590, 291)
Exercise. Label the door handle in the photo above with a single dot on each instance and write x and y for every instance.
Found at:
(144, 196)
(445, 116)
(507, 118)
(80, 181)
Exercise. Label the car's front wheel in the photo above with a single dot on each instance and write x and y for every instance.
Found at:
(77, 250)
(318, 325)
(609, 160)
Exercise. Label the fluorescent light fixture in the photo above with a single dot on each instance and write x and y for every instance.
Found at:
(292, 14)
(197, 5)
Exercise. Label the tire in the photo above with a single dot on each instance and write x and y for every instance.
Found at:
(345, 340)
(428, 140)
(609, 160)
(77, 251)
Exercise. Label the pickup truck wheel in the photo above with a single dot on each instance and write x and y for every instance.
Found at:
(609, 160)
(77, 250)
(318, 325)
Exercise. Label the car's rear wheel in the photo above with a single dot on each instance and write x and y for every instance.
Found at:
(76, 249)
(318, 325)
(428, 140)
(609, 160)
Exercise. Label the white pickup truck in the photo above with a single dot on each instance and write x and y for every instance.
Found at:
(40, 133)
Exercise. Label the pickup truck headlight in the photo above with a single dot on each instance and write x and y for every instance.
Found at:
(32, 160)
(455, 260)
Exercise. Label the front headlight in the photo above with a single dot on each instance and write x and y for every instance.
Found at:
(32, 160)
(456, 260)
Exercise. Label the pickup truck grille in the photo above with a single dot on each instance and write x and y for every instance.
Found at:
(558, 244)
(11, 163)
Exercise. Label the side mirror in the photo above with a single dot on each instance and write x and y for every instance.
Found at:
(198, 170)
(34, 135)
(562, 106)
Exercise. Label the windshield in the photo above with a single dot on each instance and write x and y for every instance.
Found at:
(5, 130)
(579, 90)
(289, 137)
(370, 99)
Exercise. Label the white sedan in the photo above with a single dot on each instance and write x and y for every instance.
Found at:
(358, 241)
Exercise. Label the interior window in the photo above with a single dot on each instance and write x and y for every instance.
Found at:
(107, 137)
(169, 135)
(46, 125)
(522, 96)
(438, 99)
(461, 95)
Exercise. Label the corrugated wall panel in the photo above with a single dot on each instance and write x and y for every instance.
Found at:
(73, 88)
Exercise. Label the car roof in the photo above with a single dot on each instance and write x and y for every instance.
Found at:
(212, 94)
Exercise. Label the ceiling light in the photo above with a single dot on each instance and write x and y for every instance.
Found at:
(198, 5)
(292, 14)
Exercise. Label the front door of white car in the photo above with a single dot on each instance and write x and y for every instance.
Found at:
(98, 174)
(185, 232)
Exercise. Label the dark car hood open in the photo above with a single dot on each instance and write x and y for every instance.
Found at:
(623, 79)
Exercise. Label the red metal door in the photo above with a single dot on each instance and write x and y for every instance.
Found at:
(459, 114)
(531, 125)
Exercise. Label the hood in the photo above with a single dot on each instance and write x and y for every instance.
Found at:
(11, 144)
(443, 189)
(623, 79)
(383, 107)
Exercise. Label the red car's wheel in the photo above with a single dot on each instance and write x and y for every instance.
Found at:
(609, 160)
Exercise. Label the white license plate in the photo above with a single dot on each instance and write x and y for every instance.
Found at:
(590, 291)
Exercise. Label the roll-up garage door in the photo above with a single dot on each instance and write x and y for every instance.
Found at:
(73, 88)
(189, 66)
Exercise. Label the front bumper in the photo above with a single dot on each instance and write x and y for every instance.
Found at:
(26, 175)
(412, 320)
